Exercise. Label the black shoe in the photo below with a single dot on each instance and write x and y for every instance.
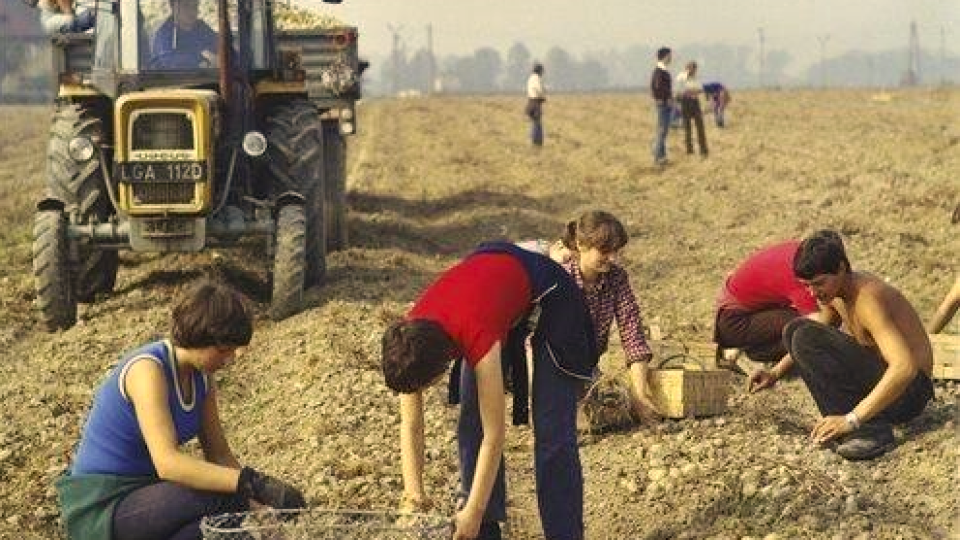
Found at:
(489, 530)
(871, 440)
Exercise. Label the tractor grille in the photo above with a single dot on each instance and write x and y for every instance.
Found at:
(163, 193)
(163, 131)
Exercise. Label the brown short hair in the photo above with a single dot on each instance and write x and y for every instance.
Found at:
(595, 229)
(414, 353)
(211, 314)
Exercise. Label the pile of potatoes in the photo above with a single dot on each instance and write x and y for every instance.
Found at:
(286, 17)
(289, 17)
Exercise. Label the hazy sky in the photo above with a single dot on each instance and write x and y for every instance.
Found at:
(461, 26)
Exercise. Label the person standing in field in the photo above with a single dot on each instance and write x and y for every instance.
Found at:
(947, 309)
(131, 477)
(719, 97)
(588, 250)
(689, 90)
(661, 83)
(873, 373)
(482, 310)
(536, 96)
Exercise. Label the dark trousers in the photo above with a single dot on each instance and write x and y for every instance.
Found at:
(169, 511)
(759, 334)
(839, 372)
(690, 109)
(535, 113)
(556, 456)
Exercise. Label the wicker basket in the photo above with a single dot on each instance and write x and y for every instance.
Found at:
(325, 524)
(946, 356)
(682, 386)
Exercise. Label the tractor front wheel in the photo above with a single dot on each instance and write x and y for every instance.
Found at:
(289, 262)
(51, 271)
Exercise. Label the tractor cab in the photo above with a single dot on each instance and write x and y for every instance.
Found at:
(149, 43)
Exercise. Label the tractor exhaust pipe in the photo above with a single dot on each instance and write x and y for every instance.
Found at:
(225, 51)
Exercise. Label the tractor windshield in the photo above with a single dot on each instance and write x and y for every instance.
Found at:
(183, 34)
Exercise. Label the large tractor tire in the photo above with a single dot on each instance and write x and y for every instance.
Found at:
(289, 262)
(335, 185)
(51, 271)
(81, 186)
(295, 146)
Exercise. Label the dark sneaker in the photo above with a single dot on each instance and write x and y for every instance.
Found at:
(870, 441)
(489, 531)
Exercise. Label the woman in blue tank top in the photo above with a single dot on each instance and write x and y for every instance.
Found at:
(129, 477)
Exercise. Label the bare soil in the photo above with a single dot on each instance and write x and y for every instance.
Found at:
(429, 178)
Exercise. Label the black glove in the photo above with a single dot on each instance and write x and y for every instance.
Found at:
(269, 491)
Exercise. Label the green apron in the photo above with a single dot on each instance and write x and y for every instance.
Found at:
(87, 502)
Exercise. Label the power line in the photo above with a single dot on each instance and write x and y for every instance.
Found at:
(823, 39)
(395, 58)
(760, 68)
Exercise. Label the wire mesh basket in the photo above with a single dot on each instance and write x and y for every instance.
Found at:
(326, 524)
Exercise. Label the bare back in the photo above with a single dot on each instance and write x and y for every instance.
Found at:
(879, 317)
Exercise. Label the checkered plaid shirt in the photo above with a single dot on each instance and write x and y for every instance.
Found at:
(612, 298)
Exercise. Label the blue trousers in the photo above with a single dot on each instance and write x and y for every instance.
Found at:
(664, 114)
(536, 131)
(556, 455)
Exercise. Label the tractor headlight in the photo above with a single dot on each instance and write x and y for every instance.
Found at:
(346, 114)
(80, 149)
(346, 128)
(254, 144)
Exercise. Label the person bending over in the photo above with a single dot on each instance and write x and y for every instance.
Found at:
(588, 251)
(482, 310)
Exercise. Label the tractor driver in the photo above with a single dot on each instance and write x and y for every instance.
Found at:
(184, 41)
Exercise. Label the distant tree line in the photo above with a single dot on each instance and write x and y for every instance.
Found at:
(489, 71)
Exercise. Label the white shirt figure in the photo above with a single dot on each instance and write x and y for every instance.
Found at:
(688, 85)
(535, 87)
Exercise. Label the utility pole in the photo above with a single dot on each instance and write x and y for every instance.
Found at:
(823, 39)
(943, 56)
(760, 68)
(432, 67)
(912, 77)
(395, 59)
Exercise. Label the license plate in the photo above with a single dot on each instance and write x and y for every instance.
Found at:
(163, 171)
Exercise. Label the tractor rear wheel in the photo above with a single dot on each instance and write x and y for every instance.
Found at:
(51, 271)
(289, 262)
(295, 138)
(82, 185)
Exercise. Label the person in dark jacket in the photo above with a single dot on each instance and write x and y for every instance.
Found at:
(662, 91)
(482, 310)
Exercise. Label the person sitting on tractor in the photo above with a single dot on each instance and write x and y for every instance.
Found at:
(184, 41)
(60, 17)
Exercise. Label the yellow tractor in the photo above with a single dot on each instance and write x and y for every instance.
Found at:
(186, 124)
